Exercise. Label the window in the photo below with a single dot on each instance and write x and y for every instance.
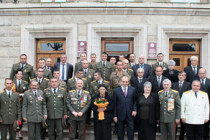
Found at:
(195, 1)
(53, 0)
(119, 0)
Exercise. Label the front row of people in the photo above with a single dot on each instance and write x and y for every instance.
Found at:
(55, 104)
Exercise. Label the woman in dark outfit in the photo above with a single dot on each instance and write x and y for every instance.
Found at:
(171, 73)
(148, 113)
(102, 128)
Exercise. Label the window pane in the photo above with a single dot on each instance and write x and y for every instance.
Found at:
(60, 0)
(46, 0)
(185, 1)
(120, 0)
(177, 60)
(51, 46)
(117, 47)
(184, 47)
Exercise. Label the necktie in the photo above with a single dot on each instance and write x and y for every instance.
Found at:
(99, 82)
(39, 82)
(35, 94)
(140, 80)
(166, 94)
(158, 81)
(125, 94)
(180, 86)
(202, 83)
(9, 95)
(103, 63)
(196, 94)
(21, 66)
(54, 91)
(194, 71)
(78, 94)
(85, 71)
(63, 71)
(160, 64)
(19, 83)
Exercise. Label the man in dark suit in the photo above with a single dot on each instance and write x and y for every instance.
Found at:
(139, 81)
(192, 70)
(65, 68)
(205, 86)
(157, 80)
(147, 68)
(48, 65)
(181, 86)
(125, 108)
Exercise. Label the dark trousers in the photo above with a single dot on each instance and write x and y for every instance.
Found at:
(74, 125)
(103, 131)
(206, 131)
(34, 131)
(12, 133)
(55, 129)
(130, 128)
(146, 131)
(194, 132)
(182, 131)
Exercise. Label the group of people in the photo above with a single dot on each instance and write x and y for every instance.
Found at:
(137, 95)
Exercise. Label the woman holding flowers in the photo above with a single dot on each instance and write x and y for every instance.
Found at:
(102, 107)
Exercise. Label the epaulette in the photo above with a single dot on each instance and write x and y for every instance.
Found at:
(47, 69)
(27, 90)
(33, 79)
(61, 88)
(17, 63)
(25, 81)
(187, 92)
(161, 91)
(85, 91)
(203, 92)
(47, 88)
(2, 92)
(175, 91)
(40, 90)
(130, 69)
(84, 79)
(70, 78)
(93, 81)
(106, 81)
(72, 90)
(46, 79)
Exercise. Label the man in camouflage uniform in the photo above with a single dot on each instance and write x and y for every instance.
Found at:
(116, 76)
(94, 85)
(43, 82)
(105, 67)
(87, 72)
(25, 67)
(170, 110)
(71, 82)
(127, 69)
(34, 109)
(159, 63)
(83, 56)
(56, 74)
(56, 109)
(78, 102)
(10, 110)
(47, 72)
(92, 64)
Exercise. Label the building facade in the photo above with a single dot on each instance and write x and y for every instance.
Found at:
(47, 28)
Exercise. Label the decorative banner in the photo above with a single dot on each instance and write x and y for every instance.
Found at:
(152, 50)
(82, 47)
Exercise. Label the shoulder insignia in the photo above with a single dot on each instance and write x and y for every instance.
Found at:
(130, 69)
(187, 92)
(17, 63)
(61, 88)
(85, 91)
(83, 78)
(47, 69)
(175, 91)
(72, 90)
(47, 88)
(25, 81)
(160, 91)
(46, 79)
(93, 81)
(203, 92)
(106, 81)
(70, 78)
(2, 92)
(33, 79)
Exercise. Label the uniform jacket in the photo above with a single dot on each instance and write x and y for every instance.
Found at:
(166, 115)
(27, 71)
(123, 106)
(155, 65)
(78, 104)
(147, 70)
(34, 108)
(195, 110)
(71, 84)
(55, 103)
(10, 109)
(89, 76)
(115, 79)
(23, 86)
(44, 84)
(106, 71)
(47, 73)
(94, 87)
(130, 72)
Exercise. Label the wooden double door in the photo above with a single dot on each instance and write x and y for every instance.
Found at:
(181, 50)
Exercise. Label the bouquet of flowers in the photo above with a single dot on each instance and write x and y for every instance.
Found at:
(101, 103)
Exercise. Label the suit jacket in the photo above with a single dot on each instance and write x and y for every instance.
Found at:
(154, 82)
(123, 106)
(107, 113)
(173, 77)
(139, 87)
(147, 70)
(69, 68)
(10, 109)
(185, 87)
(190, 74)
(155, 65)
(154, 110)
(78, 104)
(34, 108)
(206, 87)
(27, 71)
